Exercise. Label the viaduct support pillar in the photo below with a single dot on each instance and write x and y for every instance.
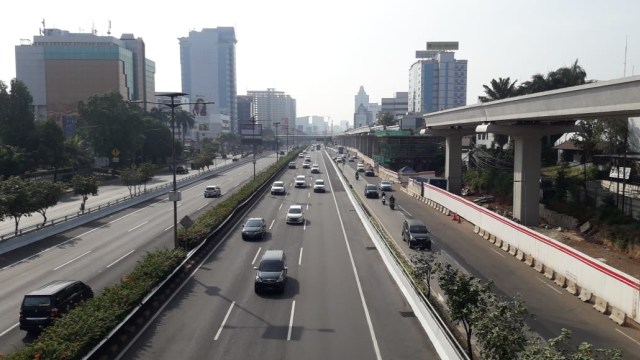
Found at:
(453, 163)
(526, 179)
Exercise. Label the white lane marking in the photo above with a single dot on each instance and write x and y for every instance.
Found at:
(293, 310)
(308, 195)
(405, 211)
(72, 260)
(372, 333)
(304, 224)
(203, 206)
(122, 257)
(255, 257)
(307, 206)
(133, 228)
(280, 207)
(550, 287)
(224, 321)
(497, 252)
(300, 258)
(272, 222)
(9, 329)
(168, 228)
(618, 330)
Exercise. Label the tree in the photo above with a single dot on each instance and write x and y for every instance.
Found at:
(15, 200)
(184, 121)
(156, 143)
(500, 89)
(387, 119)
(147, 171)
(500, 327)
(50, 149)
(77, 153)
(84, 185)
(464, 294)
(423, 267)
(110, 123)
(16, 116)
(13, 161)
(558, 349)
(44, 194)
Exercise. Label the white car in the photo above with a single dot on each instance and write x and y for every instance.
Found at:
(315, 169)
(212, 191)
(295, 215)
(278, 188)
(306, 165)
(318, 185)
(360, 167)
(301, 181)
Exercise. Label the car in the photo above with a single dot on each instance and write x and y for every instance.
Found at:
(271, 272)
(360, 167)
(306, 165)
(318, 185)
(301, 155)
(307, 158)
(182, 169)
(371, 191)
(385, 185)
(416, 234)
(277, 188)
(295, 215)
(315, 169)
(254, 228)
(352, 159)
(281, 152)
(212, 191)
(234, 159)
(339, 160)
(369, 172)
(301, 181)
(293, 165)
(40, 307)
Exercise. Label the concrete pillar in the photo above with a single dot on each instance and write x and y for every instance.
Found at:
(453, 163)
(526, 178)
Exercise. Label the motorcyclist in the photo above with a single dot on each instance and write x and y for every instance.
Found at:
(392, 200)
(384, 197)
(356, 175)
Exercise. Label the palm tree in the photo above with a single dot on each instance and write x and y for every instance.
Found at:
(500, 89)
(184, 121)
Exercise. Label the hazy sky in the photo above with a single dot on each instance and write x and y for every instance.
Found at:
(321, 52)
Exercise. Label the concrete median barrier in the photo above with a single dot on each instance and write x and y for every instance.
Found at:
(539, 266)
(513, 250)
(601, 305)
(476, 229)
(529, 260)
(572, 287)
(549, 273)
(505, 246)
(520, 255)
(492, 239)
(585, 295)
(618, 316)
(560, 280)
(498, 242)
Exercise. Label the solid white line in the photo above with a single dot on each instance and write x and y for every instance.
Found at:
(405, 211)
(72, 260)
(168, 228)
(280, 207)
(308, 195)
(130, 230)
(9, 329)
(272, 222)
(224, 321)
(618, 330)
(300, 258)
(255, 257)
(308, 203)
(372, 333)
(293, 310)
(203, 206)
(551, 287)
(497, 252)
(122, 257)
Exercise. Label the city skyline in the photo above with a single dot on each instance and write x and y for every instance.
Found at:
(321, 54)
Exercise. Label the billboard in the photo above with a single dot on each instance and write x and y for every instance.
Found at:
(426, 54)
(442, 45)
(249, 130)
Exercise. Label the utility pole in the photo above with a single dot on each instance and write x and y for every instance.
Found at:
(277, 147)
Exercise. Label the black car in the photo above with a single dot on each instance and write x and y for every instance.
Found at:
(181, 169)
(50, 301)
(271, 273)
(416, 234)
(371, 191)
(369, 172)
(254, 228)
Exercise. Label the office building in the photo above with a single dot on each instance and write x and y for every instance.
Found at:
(208, 70)
(437, 81)
(61, 68)
(396, 106)
(365, 112)
(271, 106)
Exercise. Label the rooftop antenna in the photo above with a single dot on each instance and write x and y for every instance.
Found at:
(109, 30)
(43, 27)
(93, 28)
(624, 73)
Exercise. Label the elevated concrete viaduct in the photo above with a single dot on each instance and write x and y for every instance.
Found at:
(526, 119)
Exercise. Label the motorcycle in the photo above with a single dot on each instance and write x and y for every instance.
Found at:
(384, 201)
(392, 204)
(356, 176)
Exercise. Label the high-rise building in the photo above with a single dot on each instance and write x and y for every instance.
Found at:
(396, 106)
(271, 106)
(208, 64)
(437, 81)
(365, 112)
(61, 68)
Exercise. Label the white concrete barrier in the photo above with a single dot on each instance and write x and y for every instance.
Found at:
(560, 280)
(618, 316)
(585, 295)
(601, 305)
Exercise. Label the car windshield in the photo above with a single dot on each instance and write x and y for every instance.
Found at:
(301, 177)
(211, 187)
(295, 211)
(253, 223)
(278, 184)
(386, 183)
(371, 187)
(319, 182)
(37, 301)
(419, 229)
(270, 266)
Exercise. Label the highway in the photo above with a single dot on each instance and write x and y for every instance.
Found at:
(101, 252)
(339, 303)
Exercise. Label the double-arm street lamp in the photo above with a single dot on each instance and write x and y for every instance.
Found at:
(277, 147)
(253, 141)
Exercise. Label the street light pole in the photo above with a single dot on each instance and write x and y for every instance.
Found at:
(277, 147)
(253, 141)
(174, 195)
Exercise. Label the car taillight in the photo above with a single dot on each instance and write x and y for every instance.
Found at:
(55, 312)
